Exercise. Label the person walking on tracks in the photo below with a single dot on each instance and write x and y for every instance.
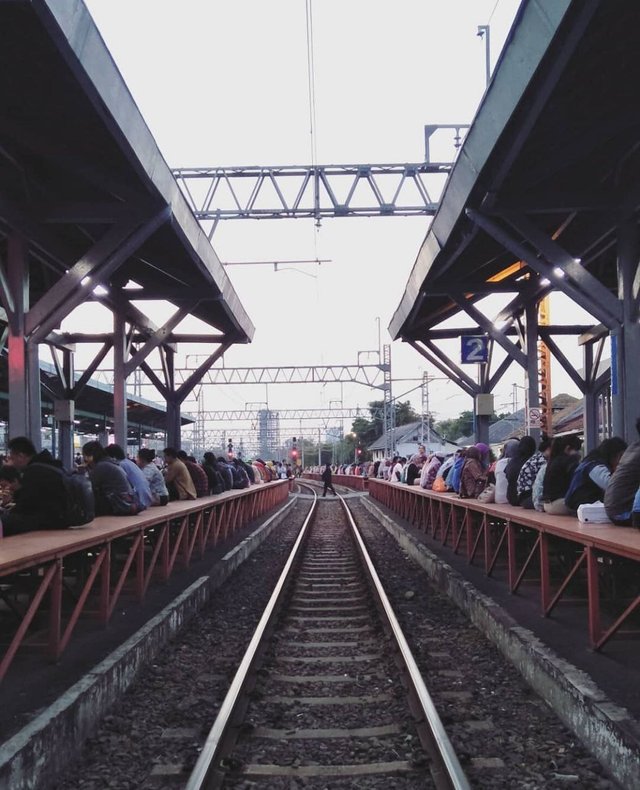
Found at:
(326, 479)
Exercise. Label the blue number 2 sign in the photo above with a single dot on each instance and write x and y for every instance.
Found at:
(474, 349)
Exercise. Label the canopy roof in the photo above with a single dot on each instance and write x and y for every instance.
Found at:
(76, 159)
(554, 148)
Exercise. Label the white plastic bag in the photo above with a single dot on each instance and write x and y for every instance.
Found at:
(593, 513)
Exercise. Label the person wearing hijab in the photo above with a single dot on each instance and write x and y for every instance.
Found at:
(472, 473)
(509, 450)
(485, 454)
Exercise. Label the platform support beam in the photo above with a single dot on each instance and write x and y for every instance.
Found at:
(626, 340)
(119, 379)
(531, 348)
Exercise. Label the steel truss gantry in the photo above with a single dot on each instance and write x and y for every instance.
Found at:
(369, 375)
(314, 191)
(283, 414)
(319, 191)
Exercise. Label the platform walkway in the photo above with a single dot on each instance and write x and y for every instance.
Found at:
(49, 579)
(565, 558)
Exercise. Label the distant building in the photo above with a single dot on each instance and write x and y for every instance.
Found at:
(268, 433)
(514, 426)
(406, 439)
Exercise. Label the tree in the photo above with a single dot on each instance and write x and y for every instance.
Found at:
(455, 428)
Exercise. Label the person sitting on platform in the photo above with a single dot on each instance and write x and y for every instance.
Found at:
(153, 476)
(526, 448)
(430, 471)
(509, 450)
(134, 473)
(485, 454)
(196, 472)
(620, 497)
(472, 477)
(564, 458)
(41, 498)
(212, 471)
(416, 462)
(177, 477)
(9, 485)
(453, 478)
(529, 471)
(113, 493)
(590, 480)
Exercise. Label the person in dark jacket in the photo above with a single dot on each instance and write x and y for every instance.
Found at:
(113, 493)
(590, 480)
(41, 499)
(326, 479)
(563, 461)
(526, 448)
(210, 466)
(623, 486)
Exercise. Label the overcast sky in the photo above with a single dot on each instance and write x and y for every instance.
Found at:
(226, 83)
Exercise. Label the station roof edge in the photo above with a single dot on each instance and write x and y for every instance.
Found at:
(79, 41)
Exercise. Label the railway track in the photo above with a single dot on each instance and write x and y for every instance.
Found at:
(328, 689)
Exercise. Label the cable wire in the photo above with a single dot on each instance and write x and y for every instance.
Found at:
(493, 12)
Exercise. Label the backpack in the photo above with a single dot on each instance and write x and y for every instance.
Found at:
(81, 506)
(240, 477)
(582, 490)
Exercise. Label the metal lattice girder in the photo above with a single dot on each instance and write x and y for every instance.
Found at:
(369, 375)
(283, 414)
(367, 190)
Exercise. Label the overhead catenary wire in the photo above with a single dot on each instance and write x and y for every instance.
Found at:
(493, 12)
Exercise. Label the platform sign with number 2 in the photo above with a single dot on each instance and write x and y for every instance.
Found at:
(474, 349)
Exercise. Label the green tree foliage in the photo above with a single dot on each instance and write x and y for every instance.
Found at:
(367, 431)
(462, 425)
(455, 428)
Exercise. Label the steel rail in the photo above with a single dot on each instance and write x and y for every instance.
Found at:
(203, 774)
(450, 773)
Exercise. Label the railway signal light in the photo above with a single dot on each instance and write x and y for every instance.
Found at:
(294, 449)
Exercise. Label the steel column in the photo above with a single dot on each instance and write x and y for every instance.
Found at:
(531, 349)
(34, 408)
(18, 285)
(173, 423)
(590, 410)
(627, 394)
(65, 427)
(119, 379)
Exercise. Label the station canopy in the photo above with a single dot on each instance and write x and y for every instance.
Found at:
(83, 182)
(548, 171)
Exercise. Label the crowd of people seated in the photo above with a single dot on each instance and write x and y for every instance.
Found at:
(550, 477)
(35, 491)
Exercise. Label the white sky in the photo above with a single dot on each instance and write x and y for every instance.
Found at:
(225, 83)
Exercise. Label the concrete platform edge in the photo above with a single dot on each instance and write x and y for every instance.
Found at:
(36, 754)
(606, 729)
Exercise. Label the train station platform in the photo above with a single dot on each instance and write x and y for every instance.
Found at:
(555, 607)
